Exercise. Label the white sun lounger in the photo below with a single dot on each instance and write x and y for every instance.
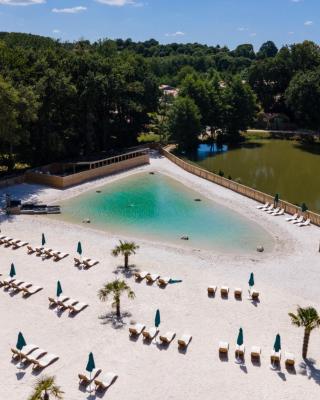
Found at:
(150, 333)
(292, 218)
(238, 293)
(297, 221)
(289, 359)
(59, 256)
(266, 205)
(223, 347)
(212, 289)
(45, 361)
(271, 208)
(277, 214)
(136, 329)
(275, 356)
(65, 304)
(28, 349)
(85, 380)
(5, 239)
(275, 210)
(35, 355)
(168, 337)
(19, 245)
(54, 302)
(30, 249)
(7, 281)
(240, 350)
(141, 275)
(20, 288)
(31, 290)
(79, 306)
(254, 294)
(152, 278)
(89, 263)
(106, 381)
(40, 250)
(163, 281)
(306, 223)
(224, 290)
(255, 352)
(184, 340)
(16, 284)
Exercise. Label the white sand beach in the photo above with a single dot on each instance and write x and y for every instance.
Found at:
(286, 277)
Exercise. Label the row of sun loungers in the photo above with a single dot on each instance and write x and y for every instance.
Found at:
(298, 220)
(85, 262)
(295, 219)
(65, 303)
(151, 278)
(15, 243)
(31, 353)
(100, 383)
(151, 333)
(270, 209)
(224, 291)
(255, 353)
(20, 286)
(47, 252)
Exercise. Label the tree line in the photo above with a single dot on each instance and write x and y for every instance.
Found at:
(64, 100)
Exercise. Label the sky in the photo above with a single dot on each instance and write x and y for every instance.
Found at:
(223, 22)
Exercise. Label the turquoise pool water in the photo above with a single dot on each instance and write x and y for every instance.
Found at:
(160, 208)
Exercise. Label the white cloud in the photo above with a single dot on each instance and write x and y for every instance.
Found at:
(308, 23)
(253, 34)
(178, 33)
(72, 10)
(291, 33)
(242, 29)
(56, 31)
(21, 2)
(116, 3)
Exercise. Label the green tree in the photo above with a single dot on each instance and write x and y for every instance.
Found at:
(309, 319)
(184, 123)
(126, 249)
(46, 388)
(267, 50)
(303, 99)
(115, 289)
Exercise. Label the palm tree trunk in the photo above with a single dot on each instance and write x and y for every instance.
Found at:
(118, 308)
(126, 260)
(305, 343)
(46, 396)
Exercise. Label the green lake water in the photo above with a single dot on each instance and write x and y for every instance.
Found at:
(159, 208)
(271, 166)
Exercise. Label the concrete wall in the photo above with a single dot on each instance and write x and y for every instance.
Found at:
(237, 187)
(61, 182)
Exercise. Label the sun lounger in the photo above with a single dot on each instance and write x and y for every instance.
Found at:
(54, 302)
(19, 288)
(240, 350)
(89, 263)
(35, 355)
(266, 208)
(106, 381)
(277, 214)
(59, 256)
(289, 359)
(136, 329)
(84, 380)
(224, 290)
(292, 218)
(77, 262)
(238, 293)
(152, 278)
(75, 308)
(49, 252)
(266, 205)
(14, 241)
(45, 361)
(254, 294)
(223, 347)
(6, 281)
(255, 352)
(16, 284)
(163, 281)
(141, 275)
(66, 303)
(19, 245)
(150, 333)
(30, 250)
(31, 290)
(184, 340)
(275, 356)
(269, 208)
(6, 239)
(306, 223)
(272, 211)
(212, 290)
(297, 221)
(40, 250)
(29, 348)
(167, 338)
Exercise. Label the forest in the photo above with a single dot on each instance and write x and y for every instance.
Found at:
(61, 100)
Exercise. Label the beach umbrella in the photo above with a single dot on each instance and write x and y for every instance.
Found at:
(251, 280)
(157, 319)
(304, 207)
(90, 367)
(20, 345)
(12, 271)
(276, 198)
(277, 344)
(79, 248)
(43, 240)
(59, 289)
(240, 337)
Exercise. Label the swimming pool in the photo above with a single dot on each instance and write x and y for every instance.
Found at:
(156, 207)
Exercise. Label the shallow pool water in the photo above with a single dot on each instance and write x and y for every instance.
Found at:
(160, 208)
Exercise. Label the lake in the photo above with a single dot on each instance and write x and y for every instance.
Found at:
(271, 166)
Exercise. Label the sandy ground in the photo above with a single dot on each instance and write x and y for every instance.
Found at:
(286, 277)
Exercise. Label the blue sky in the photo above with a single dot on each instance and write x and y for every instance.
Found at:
(224, 22)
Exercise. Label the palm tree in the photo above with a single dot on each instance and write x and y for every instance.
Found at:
(309, 319)
(115, 289)
(126, 249)
(45, 387)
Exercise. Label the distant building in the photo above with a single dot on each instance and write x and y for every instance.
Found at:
(168, 90)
